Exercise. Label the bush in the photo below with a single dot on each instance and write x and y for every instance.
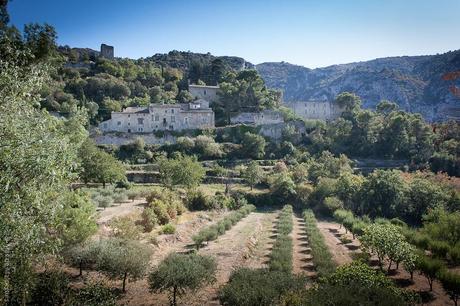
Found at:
(120, 197)
(454, 254)
(168, 229)
(104, 201)
(94, 294)
(132, 195)
(161, 211)
(198, 201)
(322, 258)
(52, 288)
(125, 228)
(149, 219)
(211, 232)
(439, 248)
(332, 204)
(259, 287)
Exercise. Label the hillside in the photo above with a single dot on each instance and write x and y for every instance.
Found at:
(414, 82)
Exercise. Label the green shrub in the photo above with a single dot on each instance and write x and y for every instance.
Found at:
(149, 219)
(104, 201)
(454, 254)
(94, 294)
(322, 258)
(120, 197)
(198, 201)
(168, 229)
(51, 288)
(281, 255)
(439, 248)
(161, 211)
(132, 195)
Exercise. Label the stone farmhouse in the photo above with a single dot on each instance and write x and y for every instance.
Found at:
(322, 110)
(161, 117)
(208, 93)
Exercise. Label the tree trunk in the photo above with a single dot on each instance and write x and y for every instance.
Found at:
(430, 281)
(397, 265)
(389, 266)
(175, 296)
(124, 281)
(412, 275)
(81, 268)
(103, 185)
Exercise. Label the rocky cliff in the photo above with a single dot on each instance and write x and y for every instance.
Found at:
(424, 84)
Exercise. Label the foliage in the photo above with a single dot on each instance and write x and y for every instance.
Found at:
(211, 233)
(261, 287)
(77, 219)
(37, 162)
(253, 174)
(182, 170)
(368, 287)
(281, 254)
(451, 284)
(253, 146)
(99, 166)
(125, 228)
(94, 294)
(122, 259)
(430, 267)
(168, 229)
(179, 273)
(322, 258)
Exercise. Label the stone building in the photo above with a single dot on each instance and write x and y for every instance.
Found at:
(323, 110)
(261, 118)
(107, 51)
(161, 117)
(205, 92)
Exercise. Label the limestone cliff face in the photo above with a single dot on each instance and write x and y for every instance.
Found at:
(416, 83)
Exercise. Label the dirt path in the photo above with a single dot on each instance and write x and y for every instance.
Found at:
(120, 210)
(342, 253)
(231, 251)
(302, 261)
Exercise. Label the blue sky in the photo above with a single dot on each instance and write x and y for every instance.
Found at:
(309, 33)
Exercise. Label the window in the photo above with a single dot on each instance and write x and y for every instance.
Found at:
(172, 111)
(140, 121)
(171, 127)
(129, 130)
(173, 119)
(140, 129)
(186, 120)
(166, 111)
(129, 123)
(119, 123)
(157, 117)
(129, 116)
(204, 92)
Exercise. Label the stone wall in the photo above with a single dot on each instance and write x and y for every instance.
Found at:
(204, 92)
(120, 139)
(315, 109)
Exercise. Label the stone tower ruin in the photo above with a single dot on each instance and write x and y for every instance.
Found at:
(107, 51)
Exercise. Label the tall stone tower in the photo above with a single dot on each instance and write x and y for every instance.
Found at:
(107, 51)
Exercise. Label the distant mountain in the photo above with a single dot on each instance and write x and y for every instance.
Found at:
(416, 83)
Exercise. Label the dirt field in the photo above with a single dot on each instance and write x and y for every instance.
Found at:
(342, 254)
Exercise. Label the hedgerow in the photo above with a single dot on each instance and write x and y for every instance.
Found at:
(281, 255)
(211, 233)
(322, 258)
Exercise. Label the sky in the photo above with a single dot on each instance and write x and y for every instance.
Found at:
(311, 33)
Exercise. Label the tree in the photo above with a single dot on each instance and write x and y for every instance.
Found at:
(125, 228)
(81, 256)
(430, 268)
(182, 170)
(253, 174)
(383, 194)
(253, 145)
(384, 240)
(38, 159)
(99, 166)
(451, 284)
(179, 273)
(123, 259)
(77, 218)
(348, 101)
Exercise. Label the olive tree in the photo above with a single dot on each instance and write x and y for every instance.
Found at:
(179, 273)
(122, 259)
(253, 174)
(451, 284)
